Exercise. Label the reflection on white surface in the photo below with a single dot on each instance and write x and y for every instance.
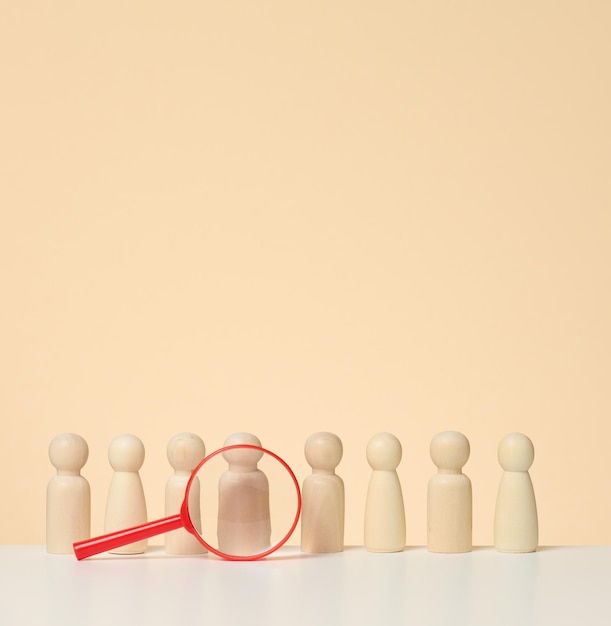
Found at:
(551, 586)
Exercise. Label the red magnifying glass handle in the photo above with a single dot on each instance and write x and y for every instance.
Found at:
(104, 543)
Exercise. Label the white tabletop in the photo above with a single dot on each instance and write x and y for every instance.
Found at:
(568, 585)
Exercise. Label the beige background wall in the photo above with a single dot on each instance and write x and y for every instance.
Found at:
(285, 217)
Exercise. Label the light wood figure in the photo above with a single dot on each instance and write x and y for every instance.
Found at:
(322, 514)
(244, 524)
(185, 451)
(449, 497)
(68, 494)
(384, 509)
(126, 506)
(516, 527)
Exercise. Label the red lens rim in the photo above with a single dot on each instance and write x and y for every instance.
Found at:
(184, 511)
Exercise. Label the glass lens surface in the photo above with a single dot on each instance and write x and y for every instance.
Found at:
(243, 502)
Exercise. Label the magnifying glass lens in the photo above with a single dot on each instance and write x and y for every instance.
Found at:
(242, 501)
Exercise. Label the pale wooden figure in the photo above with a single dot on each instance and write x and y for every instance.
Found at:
(516, 527)
(384, 509)
(322, 514)
(244, 524)
(68, 494)
(449, 497)
(126, 506)
(185, 451)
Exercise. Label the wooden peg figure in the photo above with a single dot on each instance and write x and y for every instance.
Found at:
(322, 514)
(384, 509)
(449, 497)
(68, 494)
(126, 506)
(185, 451)
(516, 527)
(244, 524)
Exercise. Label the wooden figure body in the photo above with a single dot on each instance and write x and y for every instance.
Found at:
(244, 524)
(68, 494)
(384, 508)
(516, 526)
(185, 451)
(126, 506)
(322, 516)
(449, 496)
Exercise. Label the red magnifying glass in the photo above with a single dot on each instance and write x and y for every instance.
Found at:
(249, 509)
